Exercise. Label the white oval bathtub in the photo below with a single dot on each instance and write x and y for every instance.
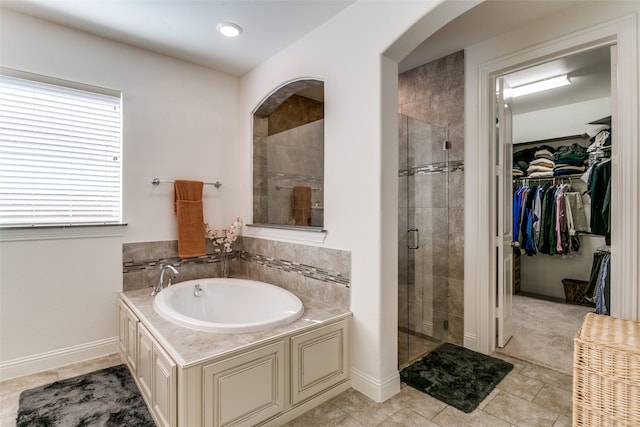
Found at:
(227, 305)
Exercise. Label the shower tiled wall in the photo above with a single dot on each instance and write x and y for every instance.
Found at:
(315, 272)
(294, 158)
(431, 279)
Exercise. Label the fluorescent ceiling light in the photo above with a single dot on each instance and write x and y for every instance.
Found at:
(229, 29)
(541, 85)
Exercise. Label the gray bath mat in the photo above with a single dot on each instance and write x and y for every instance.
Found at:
(108, 397)
(456, 376)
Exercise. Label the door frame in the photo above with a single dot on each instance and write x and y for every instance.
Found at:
(480, 259)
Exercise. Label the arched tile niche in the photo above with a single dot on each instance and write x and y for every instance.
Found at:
(288, 156)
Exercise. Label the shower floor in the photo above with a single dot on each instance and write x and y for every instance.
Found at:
(412, 347)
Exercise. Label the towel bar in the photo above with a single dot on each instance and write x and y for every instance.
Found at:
(156, 181)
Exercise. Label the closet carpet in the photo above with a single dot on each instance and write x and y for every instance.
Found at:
(544, 332)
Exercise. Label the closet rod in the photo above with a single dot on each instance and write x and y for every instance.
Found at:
(550, 178)
(156, 181)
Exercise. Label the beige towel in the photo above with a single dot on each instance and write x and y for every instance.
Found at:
(188, 207)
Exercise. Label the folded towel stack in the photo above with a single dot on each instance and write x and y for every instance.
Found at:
(570, 160)
(517, 170)
(542, 166)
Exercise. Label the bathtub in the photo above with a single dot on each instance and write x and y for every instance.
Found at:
(227, 305)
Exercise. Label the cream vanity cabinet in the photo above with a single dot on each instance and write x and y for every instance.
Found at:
(266, 384)
(154, 371)
(246, 389)
(157, 375)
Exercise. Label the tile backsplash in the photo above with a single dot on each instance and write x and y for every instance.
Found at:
(311, 271)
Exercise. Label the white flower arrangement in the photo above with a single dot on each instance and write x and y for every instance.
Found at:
(223, 238)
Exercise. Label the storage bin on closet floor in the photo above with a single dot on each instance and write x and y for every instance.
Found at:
(606, 372)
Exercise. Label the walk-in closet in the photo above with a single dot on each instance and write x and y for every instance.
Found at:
(561, 175)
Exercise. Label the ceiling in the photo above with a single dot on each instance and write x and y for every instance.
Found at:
(186, 29)
(589, 71)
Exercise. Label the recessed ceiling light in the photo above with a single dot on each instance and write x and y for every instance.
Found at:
(541, 85)
(229, 29)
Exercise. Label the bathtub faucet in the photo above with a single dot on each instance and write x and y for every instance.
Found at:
(160, 284)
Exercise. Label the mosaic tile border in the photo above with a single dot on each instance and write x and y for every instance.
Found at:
(278, 264)
(431, 168)
(133, 266)
(294, 267)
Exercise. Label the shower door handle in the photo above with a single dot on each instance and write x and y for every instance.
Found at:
(416, 240)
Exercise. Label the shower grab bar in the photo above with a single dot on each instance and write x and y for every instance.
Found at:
(156, 181)
(417, 239)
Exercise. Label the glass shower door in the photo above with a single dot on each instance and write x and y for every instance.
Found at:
(423, 249)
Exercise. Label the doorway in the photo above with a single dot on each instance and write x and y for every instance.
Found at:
(555, 146)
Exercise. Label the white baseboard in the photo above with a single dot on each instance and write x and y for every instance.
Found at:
(57, 358)
(378, 390)
(470, 341)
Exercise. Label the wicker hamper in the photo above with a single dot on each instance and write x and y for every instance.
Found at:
(606, 372)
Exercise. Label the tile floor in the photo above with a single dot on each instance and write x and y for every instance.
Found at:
(529, 395)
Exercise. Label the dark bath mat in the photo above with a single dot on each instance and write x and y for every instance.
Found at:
(108, 397)
(456, 376)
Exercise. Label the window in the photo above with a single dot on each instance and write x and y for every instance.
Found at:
(60, 152)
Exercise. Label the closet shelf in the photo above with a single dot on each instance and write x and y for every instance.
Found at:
(602, 121)
(550, 140)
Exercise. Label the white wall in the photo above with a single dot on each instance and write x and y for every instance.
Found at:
(184, 121)
(564, 120)
(361, 160)
(58, 297)
(543, 274)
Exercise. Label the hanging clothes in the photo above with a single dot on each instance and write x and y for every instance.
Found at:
(600, 192)
(544, 221)
(598, 290)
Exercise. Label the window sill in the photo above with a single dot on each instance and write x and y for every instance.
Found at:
(293, 234)
(9, 234)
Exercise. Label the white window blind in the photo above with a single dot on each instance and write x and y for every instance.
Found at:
(60, 153)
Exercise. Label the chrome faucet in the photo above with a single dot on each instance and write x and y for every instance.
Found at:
(160, 284)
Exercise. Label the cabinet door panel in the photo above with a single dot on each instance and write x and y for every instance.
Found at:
(319, 360)
(247, 389)
(144, 371)
(122, 329)
(164, 387)
(128, 328)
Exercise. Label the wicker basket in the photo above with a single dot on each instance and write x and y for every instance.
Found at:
(606, 372)
(574, 291)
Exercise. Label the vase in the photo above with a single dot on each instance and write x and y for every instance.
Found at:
(225, 269)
